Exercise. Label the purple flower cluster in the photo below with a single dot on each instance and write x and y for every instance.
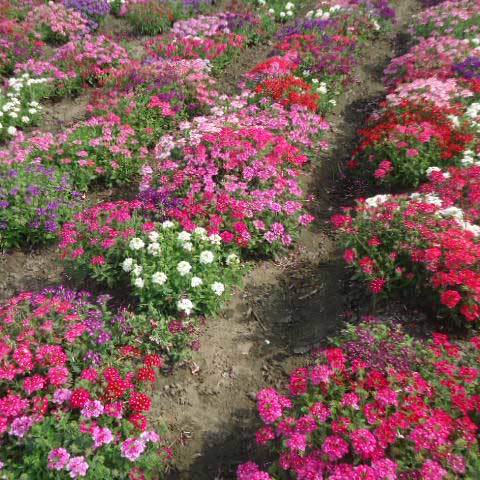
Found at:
(34, 201)
(469, 68)
(92, 9)
(370, 346)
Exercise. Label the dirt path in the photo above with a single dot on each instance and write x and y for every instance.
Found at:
(285, 308)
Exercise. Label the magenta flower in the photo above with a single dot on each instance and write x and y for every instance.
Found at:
(58, 459)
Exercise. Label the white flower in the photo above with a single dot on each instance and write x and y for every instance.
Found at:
(11, 130)
(25, 119)
(1, 126)
(184, 236)
(159, 278)
(289, 13)
(433, 199)
(218, 288)
(136, 243)
(167, 224)
(430, 170)
(154, 249)
(127, 264)
(215, 239)
(184, 268)
(188, 246)
(376, 200)
(13, 114)
(32, 111)
(138, 282)
(137, 270)
(475, 229)
(196, 282)
(454, 212)
(282, 14)
(232, 259)
(333, 102)
(201, 232)
(185, 305)
(206, 257)
(271, 10)
(289, 6)
(153, 236)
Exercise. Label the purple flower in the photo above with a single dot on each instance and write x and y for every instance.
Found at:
(20, 426)
(61, 395)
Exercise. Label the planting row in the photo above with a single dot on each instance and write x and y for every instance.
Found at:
(215, 179)
(379, 404)
(424, 244)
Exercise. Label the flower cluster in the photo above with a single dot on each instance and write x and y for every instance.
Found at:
(34, 202)
(399, 145)
(240, 183)
(454, 18)
(97, 149)
(92, 58)
(93, 10)
(57, 24)
(425, 136)
(345, 418)
(19, 107)
(56, 374)
(18, 43)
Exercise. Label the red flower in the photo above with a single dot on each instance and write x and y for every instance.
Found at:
(139, 421)
(79, 398)
(139, 402)
(450, 298)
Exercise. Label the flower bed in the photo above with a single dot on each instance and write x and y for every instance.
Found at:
(70, 403)
(34, 202)
(347, 417)
(400, 144)
(425, 243)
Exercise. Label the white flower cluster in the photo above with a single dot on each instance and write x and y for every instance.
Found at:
(323, 13)
(182, 273)
(18, 106)
(287, 11)
(377, 200)
(458, 215)
(470, 158)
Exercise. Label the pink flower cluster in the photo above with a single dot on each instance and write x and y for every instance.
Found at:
(58, 19)
(366, 423)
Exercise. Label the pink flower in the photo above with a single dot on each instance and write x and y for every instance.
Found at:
(61, 395)
(58, 376)
(320, 374)
(132, 448)
(101, 436)
(364, 442)
(20, 426)
(250, 471)
(92, 409)
(433, 471)
(58, 459)
(412, 152)
(77, 467)
(335, 447)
